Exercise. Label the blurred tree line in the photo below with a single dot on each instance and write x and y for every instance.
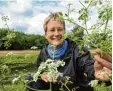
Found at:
(20, 40)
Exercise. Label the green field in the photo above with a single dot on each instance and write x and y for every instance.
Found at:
(14, 64)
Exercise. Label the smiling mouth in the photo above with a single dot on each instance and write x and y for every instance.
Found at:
(58, 38)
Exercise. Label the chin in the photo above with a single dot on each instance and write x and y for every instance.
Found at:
(57, 42)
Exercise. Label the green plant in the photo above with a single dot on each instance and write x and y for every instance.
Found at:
(100, 86)
(13, 66)
(51, 68)
(97, 35)
(65, 83)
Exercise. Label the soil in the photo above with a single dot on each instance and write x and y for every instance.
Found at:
(19, 51)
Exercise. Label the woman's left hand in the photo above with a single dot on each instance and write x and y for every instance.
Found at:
(44, 77)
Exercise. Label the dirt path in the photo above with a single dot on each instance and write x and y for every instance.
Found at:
(19, 51)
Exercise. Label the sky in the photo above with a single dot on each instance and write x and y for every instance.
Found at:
(28, 15)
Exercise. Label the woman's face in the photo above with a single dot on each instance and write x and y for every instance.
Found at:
(55, 32)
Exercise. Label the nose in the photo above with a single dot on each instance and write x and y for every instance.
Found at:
(56, 32)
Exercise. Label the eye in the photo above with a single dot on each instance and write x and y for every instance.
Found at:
(52, 30)
(60, 29)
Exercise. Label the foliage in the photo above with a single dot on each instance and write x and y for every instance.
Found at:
(14, 87)
(100, 86)
(16, 61)
(10, 36)
(4, 69)
(87, 36)
(13, 66)
(64, 84)
(17, 86)
(8, 39)
(101, 29)
(5, 19)
(18, 40)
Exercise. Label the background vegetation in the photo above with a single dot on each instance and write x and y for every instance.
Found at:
(13, 40)
(16, 65)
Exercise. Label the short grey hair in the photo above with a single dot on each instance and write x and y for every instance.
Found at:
(53, 16)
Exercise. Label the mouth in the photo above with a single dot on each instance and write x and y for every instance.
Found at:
(57, 41)
(56, 38)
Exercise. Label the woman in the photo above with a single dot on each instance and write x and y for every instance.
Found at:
(76, 65)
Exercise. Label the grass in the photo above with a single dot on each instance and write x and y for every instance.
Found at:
(16, 63)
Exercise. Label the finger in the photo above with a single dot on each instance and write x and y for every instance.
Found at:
(104, 62)
(44, 77)
(96, 51)
(100, 75)
(108, 71)
(97, 66)
(107, 57)
(107, 74)
(45, 80)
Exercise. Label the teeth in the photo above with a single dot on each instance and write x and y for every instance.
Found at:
(57, 38)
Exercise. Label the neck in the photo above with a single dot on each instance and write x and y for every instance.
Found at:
(58, 46)
(59, 51)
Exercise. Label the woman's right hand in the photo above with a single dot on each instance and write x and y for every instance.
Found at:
(44, 77)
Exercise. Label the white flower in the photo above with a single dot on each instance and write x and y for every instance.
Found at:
(49, 61)
(9, 53)
(35, 76)
(50, 66)
(26, 55)
(60, 63)
(93, 83)
(15, 79)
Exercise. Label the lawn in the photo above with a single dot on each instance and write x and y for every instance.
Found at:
(14, 64)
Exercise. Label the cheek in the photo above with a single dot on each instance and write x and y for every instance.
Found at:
(48, 36)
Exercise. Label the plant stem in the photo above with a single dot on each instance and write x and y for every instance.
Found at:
(106, 22)
(74, 23)
(6, 24)
(54, 48)
(68, 11)
(86, 27)
(86, 13)
(65, 85)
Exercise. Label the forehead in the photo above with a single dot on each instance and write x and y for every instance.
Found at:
(54, 23)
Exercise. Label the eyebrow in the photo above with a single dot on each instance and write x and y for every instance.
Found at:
(51, 28)
(60, 27)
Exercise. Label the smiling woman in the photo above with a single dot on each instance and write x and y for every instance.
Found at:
(76, 64)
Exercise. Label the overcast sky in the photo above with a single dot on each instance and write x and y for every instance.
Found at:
(28, 15)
